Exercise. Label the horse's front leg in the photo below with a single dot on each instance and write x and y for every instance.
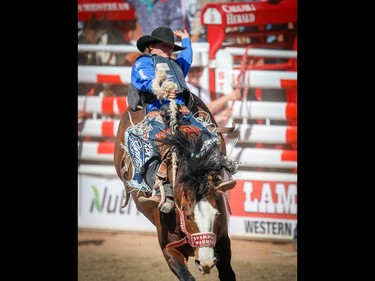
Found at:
(177, 262)
(224, 256)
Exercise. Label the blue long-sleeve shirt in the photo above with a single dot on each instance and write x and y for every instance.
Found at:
(143, 73)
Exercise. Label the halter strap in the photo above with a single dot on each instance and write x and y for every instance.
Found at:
(200, 239)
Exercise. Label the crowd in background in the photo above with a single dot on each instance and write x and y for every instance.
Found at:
(150, 14)
(175, 14)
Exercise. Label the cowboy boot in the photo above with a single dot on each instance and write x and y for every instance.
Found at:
(226, 185)
(168, 204)
(154, 178)
(229, 167)
(161, 178)
(220, 183)
(166, 208)
(150, 180)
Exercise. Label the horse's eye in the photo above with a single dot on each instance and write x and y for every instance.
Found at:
(190, 216)
(217, 214)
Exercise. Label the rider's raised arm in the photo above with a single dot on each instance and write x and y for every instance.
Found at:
(143, 73)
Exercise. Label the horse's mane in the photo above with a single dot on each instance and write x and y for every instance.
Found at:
(197, 164)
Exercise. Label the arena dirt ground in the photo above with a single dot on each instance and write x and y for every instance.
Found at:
(129, 256)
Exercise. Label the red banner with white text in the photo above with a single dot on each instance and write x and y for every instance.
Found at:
(109, 9)
(264, 208)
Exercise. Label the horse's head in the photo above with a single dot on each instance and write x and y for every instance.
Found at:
(201, 206)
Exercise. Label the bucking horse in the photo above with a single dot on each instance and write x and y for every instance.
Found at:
(198, 225)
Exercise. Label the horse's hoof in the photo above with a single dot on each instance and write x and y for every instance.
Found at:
(167, 207)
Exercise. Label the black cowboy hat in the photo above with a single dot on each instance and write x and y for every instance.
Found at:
(160, 34)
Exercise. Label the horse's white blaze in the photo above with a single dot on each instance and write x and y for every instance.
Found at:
(205, 215)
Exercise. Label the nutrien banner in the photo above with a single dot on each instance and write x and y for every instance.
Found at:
(99, 206)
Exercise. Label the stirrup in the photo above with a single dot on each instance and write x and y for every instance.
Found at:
(168, 206)
(154, 198)
(150, 202)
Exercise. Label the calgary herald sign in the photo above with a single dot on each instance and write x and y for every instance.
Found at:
(255, 13)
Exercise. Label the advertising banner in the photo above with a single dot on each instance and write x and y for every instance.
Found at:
(264, 205)
(99, 206)
(110, 9)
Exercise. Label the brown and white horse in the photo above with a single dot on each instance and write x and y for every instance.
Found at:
(198, 226)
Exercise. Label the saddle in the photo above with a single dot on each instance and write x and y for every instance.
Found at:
(139, 170)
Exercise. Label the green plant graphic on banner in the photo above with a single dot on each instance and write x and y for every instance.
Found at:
(95, 201)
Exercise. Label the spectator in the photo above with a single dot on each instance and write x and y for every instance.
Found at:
(218, 106)
(160, 106)
(152, 14)
(188, 13)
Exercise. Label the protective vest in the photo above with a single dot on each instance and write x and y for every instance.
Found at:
(174, 74)
(173, 70)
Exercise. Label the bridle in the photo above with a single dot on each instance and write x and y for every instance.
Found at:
(196, 240)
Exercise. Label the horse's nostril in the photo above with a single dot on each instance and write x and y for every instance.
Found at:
(198, 265)
(205, 266)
